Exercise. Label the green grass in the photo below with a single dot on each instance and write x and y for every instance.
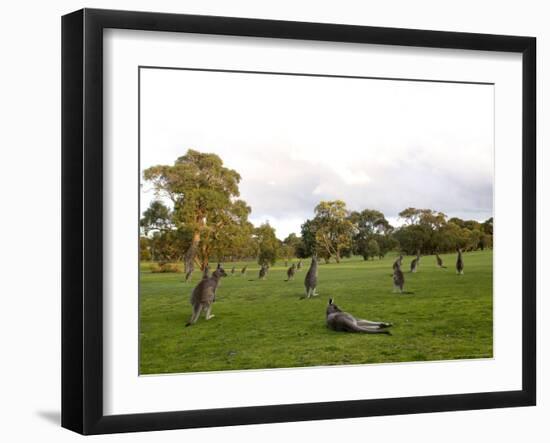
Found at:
(264, 324)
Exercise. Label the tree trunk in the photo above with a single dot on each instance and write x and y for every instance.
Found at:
(190, 254)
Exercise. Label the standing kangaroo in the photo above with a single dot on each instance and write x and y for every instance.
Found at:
(291, 272)
(459, 262)
(263, 272)
(310, 281)
(397, 263)
(243, 270)
(337, 320)
(439, 261)
(204, 295)
(299, 265)
(233, 271)
(398, 278)
(415, 262)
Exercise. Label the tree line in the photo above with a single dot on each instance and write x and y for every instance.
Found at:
(207, 221)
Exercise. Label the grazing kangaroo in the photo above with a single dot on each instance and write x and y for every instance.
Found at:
(291, 272)
(397, 263)
(459, 262)
(263, 272)
(415, 262)
(310, 281)
(337, 320)
(243, 270)
(439, 261)
(204, 295)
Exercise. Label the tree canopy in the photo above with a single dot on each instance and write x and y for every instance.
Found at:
(197, 215)
(204, 197)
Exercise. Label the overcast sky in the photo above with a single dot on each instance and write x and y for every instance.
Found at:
(377, 144)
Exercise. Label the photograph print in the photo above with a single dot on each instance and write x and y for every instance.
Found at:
(290, 220)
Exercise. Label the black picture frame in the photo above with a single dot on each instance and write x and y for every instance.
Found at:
(82, 218)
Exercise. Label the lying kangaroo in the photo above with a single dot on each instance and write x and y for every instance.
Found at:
(310, 281)
(439, 261)
(459, 262)
(291, 272)
(338, 320)
(204, 295)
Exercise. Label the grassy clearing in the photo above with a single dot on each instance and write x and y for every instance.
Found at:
(264, 324)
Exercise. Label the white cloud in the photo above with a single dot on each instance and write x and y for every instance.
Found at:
(297, 140)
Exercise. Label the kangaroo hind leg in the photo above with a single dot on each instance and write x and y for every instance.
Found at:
(195, 315)
(376, 324)
(208, 314)
(355, 327)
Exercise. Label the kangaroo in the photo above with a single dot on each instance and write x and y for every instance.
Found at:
(299, 266)
(439, 261)
(415, 262)
(310, 281)
(233, 270)
(204, 295)
(398, 279)
(263, 272)
(337, 320)
(243, 270)
(291, 272)
(397, 263)
(459, 262)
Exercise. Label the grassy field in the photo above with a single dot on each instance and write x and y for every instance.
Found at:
(264, 324)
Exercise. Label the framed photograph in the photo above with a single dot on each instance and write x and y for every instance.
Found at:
(269, 221)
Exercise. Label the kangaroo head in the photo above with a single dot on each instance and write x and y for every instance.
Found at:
(219, 272)
(332, 308)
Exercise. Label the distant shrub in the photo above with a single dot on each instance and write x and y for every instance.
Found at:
(164, 267)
